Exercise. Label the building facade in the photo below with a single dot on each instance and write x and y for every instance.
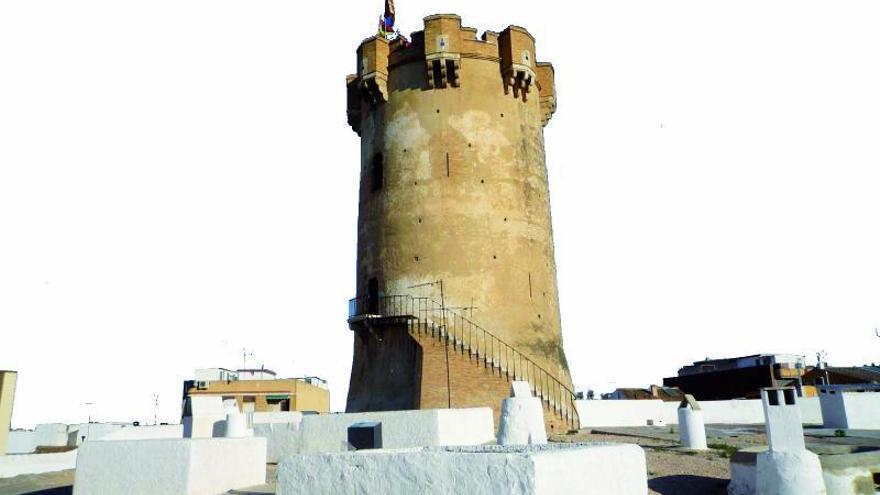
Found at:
(456, 277)
(8, 380)
(739, 377)
(259, 390)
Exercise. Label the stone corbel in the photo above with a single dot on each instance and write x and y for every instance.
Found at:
(447, 78)
(519, 78)
(374, 87)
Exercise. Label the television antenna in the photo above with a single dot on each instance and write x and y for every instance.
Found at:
(245, 354)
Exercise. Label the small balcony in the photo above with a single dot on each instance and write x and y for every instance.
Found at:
(370, 311)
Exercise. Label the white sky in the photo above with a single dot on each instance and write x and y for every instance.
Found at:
(178, 182)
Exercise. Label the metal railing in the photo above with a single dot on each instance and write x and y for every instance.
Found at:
(428, 317)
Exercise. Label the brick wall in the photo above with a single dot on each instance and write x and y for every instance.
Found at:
(471, 382)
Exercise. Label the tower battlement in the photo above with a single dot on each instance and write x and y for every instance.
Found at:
(440, 48)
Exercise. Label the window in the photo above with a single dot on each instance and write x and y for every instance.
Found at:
(437, 74)
(377, 172)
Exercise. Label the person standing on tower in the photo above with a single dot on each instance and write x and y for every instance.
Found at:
(386, 22)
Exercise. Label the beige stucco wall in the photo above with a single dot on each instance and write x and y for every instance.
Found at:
(7, 394)
(303, 396)
(465, 196)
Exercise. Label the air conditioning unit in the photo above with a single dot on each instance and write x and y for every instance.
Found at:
(202, 384)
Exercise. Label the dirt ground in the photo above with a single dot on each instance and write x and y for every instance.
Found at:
(58, 483)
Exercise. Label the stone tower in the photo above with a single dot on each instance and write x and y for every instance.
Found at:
(456, 278)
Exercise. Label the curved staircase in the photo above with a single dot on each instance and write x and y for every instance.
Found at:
(431, 323)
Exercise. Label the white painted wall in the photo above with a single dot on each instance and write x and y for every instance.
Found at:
(170, 466)
(571, 469)
(593, 413)
(50, 435)
(22, 442)
(16, 465)
(91, 431)
(597, 413)
(848, 409)
(295, 433)
(862, 410)
(145, 433)
(401, 429)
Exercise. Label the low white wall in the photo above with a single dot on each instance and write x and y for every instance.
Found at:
(260, 418)
(22, 442)
(597, 413)
(282, 439)
(594, 413)
(862, 410)
(16, 465)
(79, 433)
(401, 429)
(291, 434)
(51, 435)
(571, 469)
(845, 409)
(170, 466)
(151, 432)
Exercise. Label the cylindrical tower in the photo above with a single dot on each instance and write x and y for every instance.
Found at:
(456, 276)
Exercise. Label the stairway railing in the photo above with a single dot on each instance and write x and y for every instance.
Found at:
(428, 316)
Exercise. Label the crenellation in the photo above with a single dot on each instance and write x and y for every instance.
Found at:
(546, 75)
(516, 48)
(441, 47)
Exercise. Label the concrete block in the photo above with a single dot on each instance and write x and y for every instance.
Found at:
(850, 470)
(151, 432)
(16, 465)
(400, 429)
(789, 472)
(785, 431)
(282, 439)
(50, 435)
(522, 422)
(22, 442)
(170, 466)
(237, 426)
(520, 389)
(850, 407)
(572, 469)
(691, 427)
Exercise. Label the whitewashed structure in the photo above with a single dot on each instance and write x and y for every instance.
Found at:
(522, 417)
(291, 433)
(854, 407)
(17, 465)
(170, 466)
(599, 413)
(787, 468)
(691, 427)
(553, 469)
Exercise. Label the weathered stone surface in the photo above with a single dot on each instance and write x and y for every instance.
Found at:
(455, 125)
(572, 469)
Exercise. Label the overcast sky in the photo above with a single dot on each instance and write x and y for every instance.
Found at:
(178, 183)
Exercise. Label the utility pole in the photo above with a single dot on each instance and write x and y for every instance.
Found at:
(155, 409)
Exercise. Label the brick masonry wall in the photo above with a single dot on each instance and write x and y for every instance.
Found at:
(472, 383)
